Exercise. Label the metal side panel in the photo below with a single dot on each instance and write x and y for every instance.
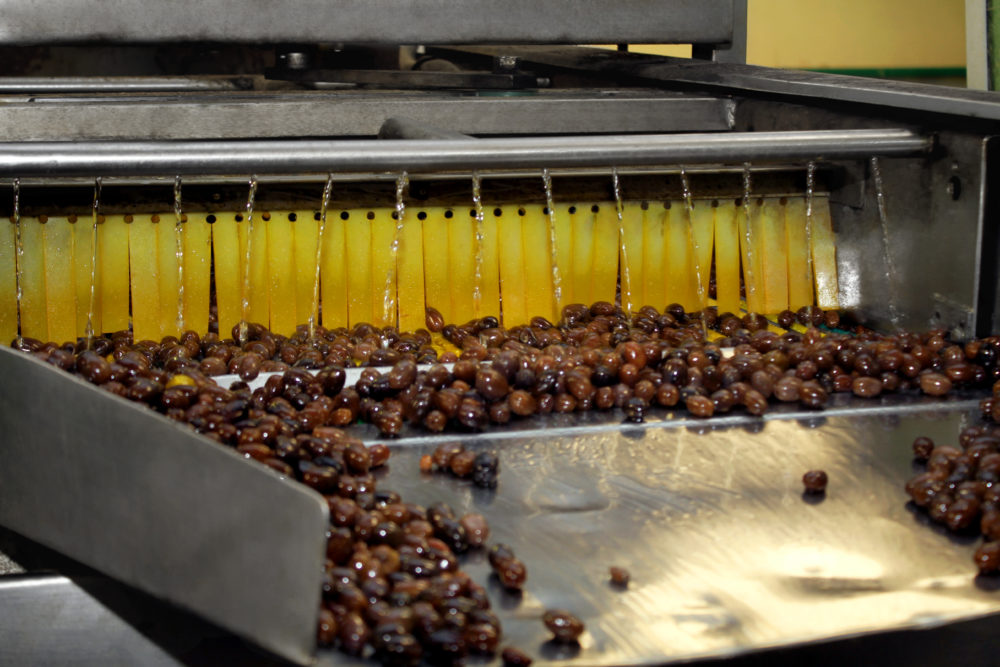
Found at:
(373, 21)
(149, 502)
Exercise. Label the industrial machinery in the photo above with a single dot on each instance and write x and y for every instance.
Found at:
(330, 163)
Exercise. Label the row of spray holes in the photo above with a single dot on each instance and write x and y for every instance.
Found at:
(422, 215)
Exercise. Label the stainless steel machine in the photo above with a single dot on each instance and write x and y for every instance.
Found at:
(728, 560)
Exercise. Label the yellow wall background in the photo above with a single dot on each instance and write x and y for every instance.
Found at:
(851, 34)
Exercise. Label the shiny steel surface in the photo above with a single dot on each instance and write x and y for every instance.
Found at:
(290, 156)
(146, 500)
(726, 554)
(47, 85)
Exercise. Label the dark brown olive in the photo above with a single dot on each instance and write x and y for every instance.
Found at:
(512, 573)
(357, 457)
(326, 632)
(93, 367)
(379, 454)
(500, 412)
(490, 383)
(498, 553)
(522, 403)
(700, 406)
(989, 525)
(433, 319)
(987, 558)
(477, 530)
(814, 481)
(144, 390)
(866, 387)
(635, 409)
(962, 513)
(461, 464)
(564, 626)
(354, 634)
(402, 374)
(922, 448)
(619, 576)
(248, 366)
(515, 657)
(754, 402)
(934, 384)
(812, 395)
(443, 453)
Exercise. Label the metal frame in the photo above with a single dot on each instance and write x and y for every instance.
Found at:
(343, 113)
(741, 79)
(711, 22)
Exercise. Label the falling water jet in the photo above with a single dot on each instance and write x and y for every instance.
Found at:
(388, 302)
(245, 294)
(810, 191)
(556, 275)
(627, 305)
(748, 278)
(477, 202)
(324, 206)
(179, 252)
(19, 254)
(93, 262)
(883, 218)
(695, 248)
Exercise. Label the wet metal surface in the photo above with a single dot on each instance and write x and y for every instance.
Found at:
(726, 554)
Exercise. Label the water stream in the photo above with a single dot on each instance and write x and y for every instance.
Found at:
(748, 278)
(810, 191)
(19, 255)
(323, 207)
(556, 275)
(93, 262)
(883, 218)
(628, 304)
(695, 248)
(388, 301)
(477, 202)
(245, 292)
(179, 252)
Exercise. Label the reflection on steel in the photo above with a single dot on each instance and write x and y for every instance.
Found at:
(405, 128)
(49, 85)
(146, 500)
(166, 181)
(297, 156)
(726, 554)
(407, 79)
